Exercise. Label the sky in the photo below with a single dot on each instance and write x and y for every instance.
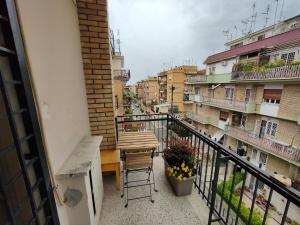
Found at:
(158, 34)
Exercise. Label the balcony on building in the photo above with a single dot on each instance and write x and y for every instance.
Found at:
(207, 204)
(188, 98)
(209, 79)
(197, 118)
(240, 106)
(123, 75)
(271, 146)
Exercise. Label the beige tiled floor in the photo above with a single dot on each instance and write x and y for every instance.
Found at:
(167, 209)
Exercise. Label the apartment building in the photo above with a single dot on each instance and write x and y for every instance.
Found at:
(278, 28)
(151, 92)
(176, 79)
(120, 75)
(249, 101)
(162, 81)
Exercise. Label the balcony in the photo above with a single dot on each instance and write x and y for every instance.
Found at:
(188, 98)
(197, 118)
(265, 144)
(223, 193)
(123, 75)
(283, 73)
(209, 79)
(239, 106)
(196, 79)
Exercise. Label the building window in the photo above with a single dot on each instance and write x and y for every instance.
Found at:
(224, 116)
(288, 57)
(254, 154)
(212, 70)
(229, 93)
(197, 90)
(272, 96)
(261, 37)
(271, 128)
(236, 45)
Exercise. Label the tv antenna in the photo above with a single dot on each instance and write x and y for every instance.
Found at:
(245, 23)
(281, 11)
(267, 15)
(118, 45)
(227, 35)
(253, 18)
(275, 16)
(236, 30)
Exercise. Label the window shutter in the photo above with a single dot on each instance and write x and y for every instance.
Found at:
(224, 115)
(274, 94)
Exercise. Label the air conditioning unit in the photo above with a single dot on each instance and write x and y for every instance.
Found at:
(224, 63)
(80, 180)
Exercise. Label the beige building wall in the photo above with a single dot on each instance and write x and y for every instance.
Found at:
(290, 96)
(118, 93)
(52, 41)
(176, 78)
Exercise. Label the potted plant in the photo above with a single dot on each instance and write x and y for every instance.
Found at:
(179, 160)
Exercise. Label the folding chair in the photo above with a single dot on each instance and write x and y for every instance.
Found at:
(134, 162)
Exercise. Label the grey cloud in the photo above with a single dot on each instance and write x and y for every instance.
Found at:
(154, 32)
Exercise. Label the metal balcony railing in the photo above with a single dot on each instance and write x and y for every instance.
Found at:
(123, 75)
(266, 144)
(232, 104)
(223, 178)
(283, 72)
(196, 79)
(197, 118)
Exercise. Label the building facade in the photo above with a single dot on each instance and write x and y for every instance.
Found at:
(248, 101)
(120, 75)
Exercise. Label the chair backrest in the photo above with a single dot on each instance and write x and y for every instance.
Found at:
(139, 159)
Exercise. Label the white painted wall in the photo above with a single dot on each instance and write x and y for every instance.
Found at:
(269, 109)
(52, 41)
(221, 68)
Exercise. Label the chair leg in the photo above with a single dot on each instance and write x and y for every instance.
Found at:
(154, 180)
(126, 182)
(150, 188)
(123, 175)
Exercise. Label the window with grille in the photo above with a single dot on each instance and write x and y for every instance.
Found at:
(26, 195)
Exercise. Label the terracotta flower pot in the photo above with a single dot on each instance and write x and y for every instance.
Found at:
(180, 187)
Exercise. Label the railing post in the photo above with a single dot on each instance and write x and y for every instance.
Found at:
(214, 187)
(117, 129)
(167, 141)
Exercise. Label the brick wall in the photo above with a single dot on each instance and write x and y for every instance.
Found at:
(93, 25)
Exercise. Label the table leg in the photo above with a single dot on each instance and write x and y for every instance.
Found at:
(118, 176)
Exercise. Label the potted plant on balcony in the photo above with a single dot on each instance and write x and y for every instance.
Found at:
(179, 160)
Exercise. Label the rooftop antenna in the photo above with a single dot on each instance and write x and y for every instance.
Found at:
(226, 34)
(236, 31)
(245, 23)
(267, 15)
(281, 12)
(253, 18)
(275, 16)
(118, 41)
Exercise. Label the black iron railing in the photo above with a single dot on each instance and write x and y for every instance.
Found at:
(236, 191)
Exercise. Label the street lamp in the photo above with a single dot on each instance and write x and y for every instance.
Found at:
(172, 91)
